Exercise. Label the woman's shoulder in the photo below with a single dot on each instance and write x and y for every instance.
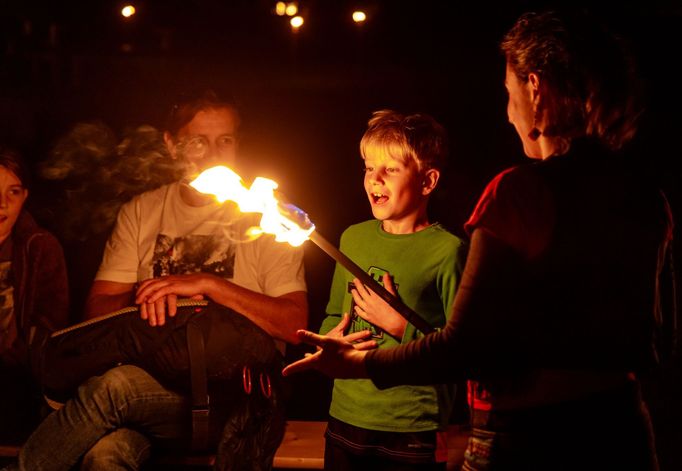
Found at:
(520, 186)
(517, 178)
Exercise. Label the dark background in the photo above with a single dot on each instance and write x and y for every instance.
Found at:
(305, 98)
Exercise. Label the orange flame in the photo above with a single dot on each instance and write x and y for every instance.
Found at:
(225, 184)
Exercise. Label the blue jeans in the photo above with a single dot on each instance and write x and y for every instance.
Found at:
(109, 423)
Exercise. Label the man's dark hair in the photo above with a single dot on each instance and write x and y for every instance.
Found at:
(186, 106)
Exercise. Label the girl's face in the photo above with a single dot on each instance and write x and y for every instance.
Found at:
(12, 198)
(520, 112)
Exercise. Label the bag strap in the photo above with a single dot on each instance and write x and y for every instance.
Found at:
(199, 382)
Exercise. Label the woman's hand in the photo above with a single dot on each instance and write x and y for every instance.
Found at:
(371, 307)
(357, 339)
(335, 357)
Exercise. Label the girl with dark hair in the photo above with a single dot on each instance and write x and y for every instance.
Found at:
(33, 291)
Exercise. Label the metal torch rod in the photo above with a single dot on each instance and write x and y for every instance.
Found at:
(411, 316)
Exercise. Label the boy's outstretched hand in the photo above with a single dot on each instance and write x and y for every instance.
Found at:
(335, 357)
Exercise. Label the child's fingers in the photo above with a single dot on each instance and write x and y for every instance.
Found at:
(388, 283)
(361, 289)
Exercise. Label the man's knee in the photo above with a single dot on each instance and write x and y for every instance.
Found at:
(129, 396)
(122, 449)
(122, 381)
(111, 393)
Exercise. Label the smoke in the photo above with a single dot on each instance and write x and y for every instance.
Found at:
(95, 174)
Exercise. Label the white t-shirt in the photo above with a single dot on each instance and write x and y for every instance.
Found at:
(158, 234)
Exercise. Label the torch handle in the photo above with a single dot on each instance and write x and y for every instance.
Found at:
(411, 316)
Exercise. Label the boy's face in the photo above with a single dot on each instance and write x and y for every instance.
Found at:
(395, 191)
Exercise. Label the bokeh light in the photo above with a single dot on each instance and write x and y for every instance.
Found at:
(281, 8)
(291, 9)
(359, 16)
(296, 22)
(128, 11)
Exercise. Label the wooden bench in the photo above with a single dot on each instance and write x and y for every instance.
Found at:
(301, 448)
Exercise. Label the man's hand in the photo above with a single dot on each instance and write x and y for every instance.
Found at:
(336, 358)
(158, 296)
(371, 307)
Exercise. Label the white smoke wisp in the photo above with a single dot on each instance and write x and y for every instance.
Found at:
(95, 173)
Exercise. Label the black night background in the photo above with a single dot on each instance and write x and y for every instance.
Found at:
(305, 97)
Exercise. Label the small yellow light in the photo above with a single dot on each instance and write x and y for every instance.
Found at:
(281, 8)
(296, 22)
(359, 16)
(128, 11)
(292, 9)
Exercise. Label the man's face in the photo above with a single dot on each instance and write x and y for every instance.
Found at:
(208, 140)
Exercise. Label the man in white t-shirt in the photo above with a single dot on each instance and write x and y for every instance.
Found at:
(162, 236)
(168, 243)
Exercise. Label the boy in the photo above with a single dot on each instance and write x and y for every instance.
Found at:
(402, 427)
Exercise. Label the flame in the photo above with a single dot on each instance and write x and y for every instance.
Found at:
(286, 222)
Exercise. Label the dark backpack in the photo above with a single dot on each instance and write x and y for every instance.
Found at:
(206, 350)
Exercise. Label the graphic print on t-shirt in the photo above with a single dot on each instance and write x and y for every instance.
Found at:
(193, 253)
(358, 323)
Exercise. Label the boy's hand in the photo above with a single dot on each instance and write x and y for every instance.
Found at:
(357, 339)
(371, 307)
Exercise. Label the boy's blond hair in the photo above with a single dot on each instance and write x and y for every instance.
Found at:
(417, 136)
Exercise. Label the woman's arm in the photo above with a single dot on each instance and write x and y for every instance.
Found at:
(474, 340)
(474, 337)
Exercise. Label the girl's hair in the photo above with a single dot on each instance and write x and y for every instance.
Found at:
(187, 106)
(587, 76)
(417, 136)
(12, 161)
